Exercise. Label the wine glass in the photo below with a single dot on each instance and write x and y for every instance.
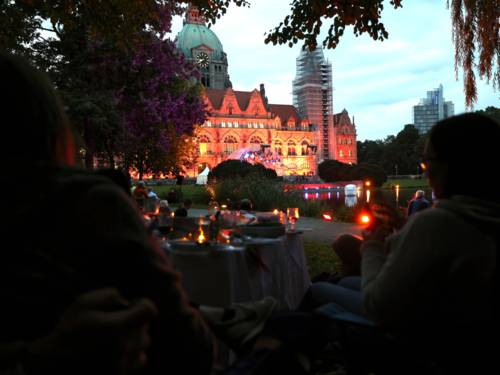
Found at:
(292, 214)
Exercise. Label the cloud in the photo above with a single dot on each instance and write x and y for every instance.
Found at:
(377, 82)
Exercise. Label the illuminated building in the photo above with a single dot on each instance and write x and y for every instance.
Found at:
(243, 124)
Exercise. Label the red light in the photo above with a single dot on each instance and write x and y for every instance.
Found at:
(364, 218)
(327, 217)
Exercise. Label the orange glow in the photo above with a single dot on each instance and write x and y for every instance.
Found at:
(201, 236)
(368, 183)
(327, 217)
(364, 218)
(276, 212)
(423, 167)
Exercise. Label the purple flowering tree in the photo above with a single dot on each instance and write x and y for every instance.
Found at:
(159, 102)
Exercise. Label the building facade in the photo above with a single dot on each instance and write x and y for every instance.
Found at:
(292, 139)
(241, 125)
(345, 135)
(432, 109)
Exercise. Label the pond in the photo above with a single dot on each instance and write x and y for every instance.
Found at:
(337, 197)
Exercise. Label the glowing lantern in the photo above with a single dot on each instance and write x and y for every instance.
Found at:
(327, 217)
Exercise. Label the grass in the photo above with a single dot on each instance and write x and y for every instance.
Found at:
(406, 183)
(320, 258)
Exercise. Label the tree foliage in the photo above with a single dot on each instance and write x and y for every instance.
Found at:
(230, 169)
(396, 155)
(125, 88)
(335, 171)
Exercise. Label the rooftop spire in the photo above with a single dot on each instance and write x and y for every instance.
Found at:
(193, 16)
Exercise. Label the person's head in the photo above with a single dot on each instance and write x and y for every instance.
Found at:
(419, 194)
(40, 130)
(246, 204)
(117, 176)
(347, 247)
(188, 203)
(461, 155)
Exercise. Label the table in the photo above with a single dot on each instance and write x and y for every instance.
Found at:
(224, 274)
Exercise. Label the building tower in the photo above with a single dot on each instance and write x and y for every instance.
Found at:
(431, 109)
(312, 96)
(203, 48)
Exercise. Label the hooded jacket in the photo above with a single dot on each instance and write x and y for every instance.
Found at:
(438, 270)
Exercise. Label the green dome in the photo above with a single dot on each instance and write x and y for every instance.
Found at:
(194, 35)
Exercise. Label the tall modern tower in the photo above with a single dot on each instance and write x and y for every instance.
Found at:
(312, 96)
(431, 109)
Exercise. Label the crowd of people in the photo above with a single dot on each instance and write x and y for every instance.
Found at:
(86, 289)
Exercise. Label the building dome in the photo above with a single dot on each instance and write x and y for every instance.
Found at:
(194, 35)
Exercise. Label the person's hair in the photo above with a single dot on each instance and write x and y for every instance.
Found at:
(468, 144)
(119, 177)
(419, 193)
(40, 130)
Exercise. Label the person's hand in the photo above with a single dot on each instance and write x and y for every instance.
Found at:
(100, 332)
(377, 233)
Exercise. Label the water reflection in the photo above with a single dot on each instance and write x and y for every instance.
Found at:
(338, 196)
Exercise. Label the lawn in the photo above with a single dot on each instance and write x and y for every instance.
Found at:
(320, 258)
(406, 183)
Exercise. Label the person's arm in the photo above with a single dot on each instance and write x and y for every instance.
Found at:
(113, 235)
(401, 276)
(100, 332)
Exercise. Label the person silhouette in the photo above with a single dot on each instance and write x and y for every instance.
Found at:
(78, 232)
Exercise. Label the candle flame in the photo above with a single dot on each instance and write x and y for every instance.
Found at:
(201, 236)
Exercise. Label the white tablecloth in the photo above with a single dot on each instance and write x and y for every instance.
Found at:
(259, 268)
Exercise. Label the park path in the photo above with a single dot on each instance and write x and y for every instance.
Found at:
(314, 229)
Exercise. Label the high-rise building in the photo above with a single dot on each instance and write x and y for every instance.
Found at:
(312, 95)
(432, 109)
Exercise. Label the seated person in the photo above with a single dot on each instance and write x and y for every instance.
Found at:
(88, 234)
(246, 215)
(182, 210)
(435, 278)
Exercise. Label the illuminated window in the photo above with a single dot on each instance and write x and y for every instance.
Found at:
(304, 150)
(261, 125)
(229, 124)
(350, 153)
(340, 141)
(230, 144)
(236, 125)
(341, 154)
(291, 149)
(223, 124)
(204, 145)
(278, 147)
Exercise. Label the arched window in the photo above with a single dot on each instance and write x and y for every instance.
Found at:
(230, 144)
(341, 154)
(278, 147)
(304, 150)
(291, 149)
(255, 142)
(204, 145)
